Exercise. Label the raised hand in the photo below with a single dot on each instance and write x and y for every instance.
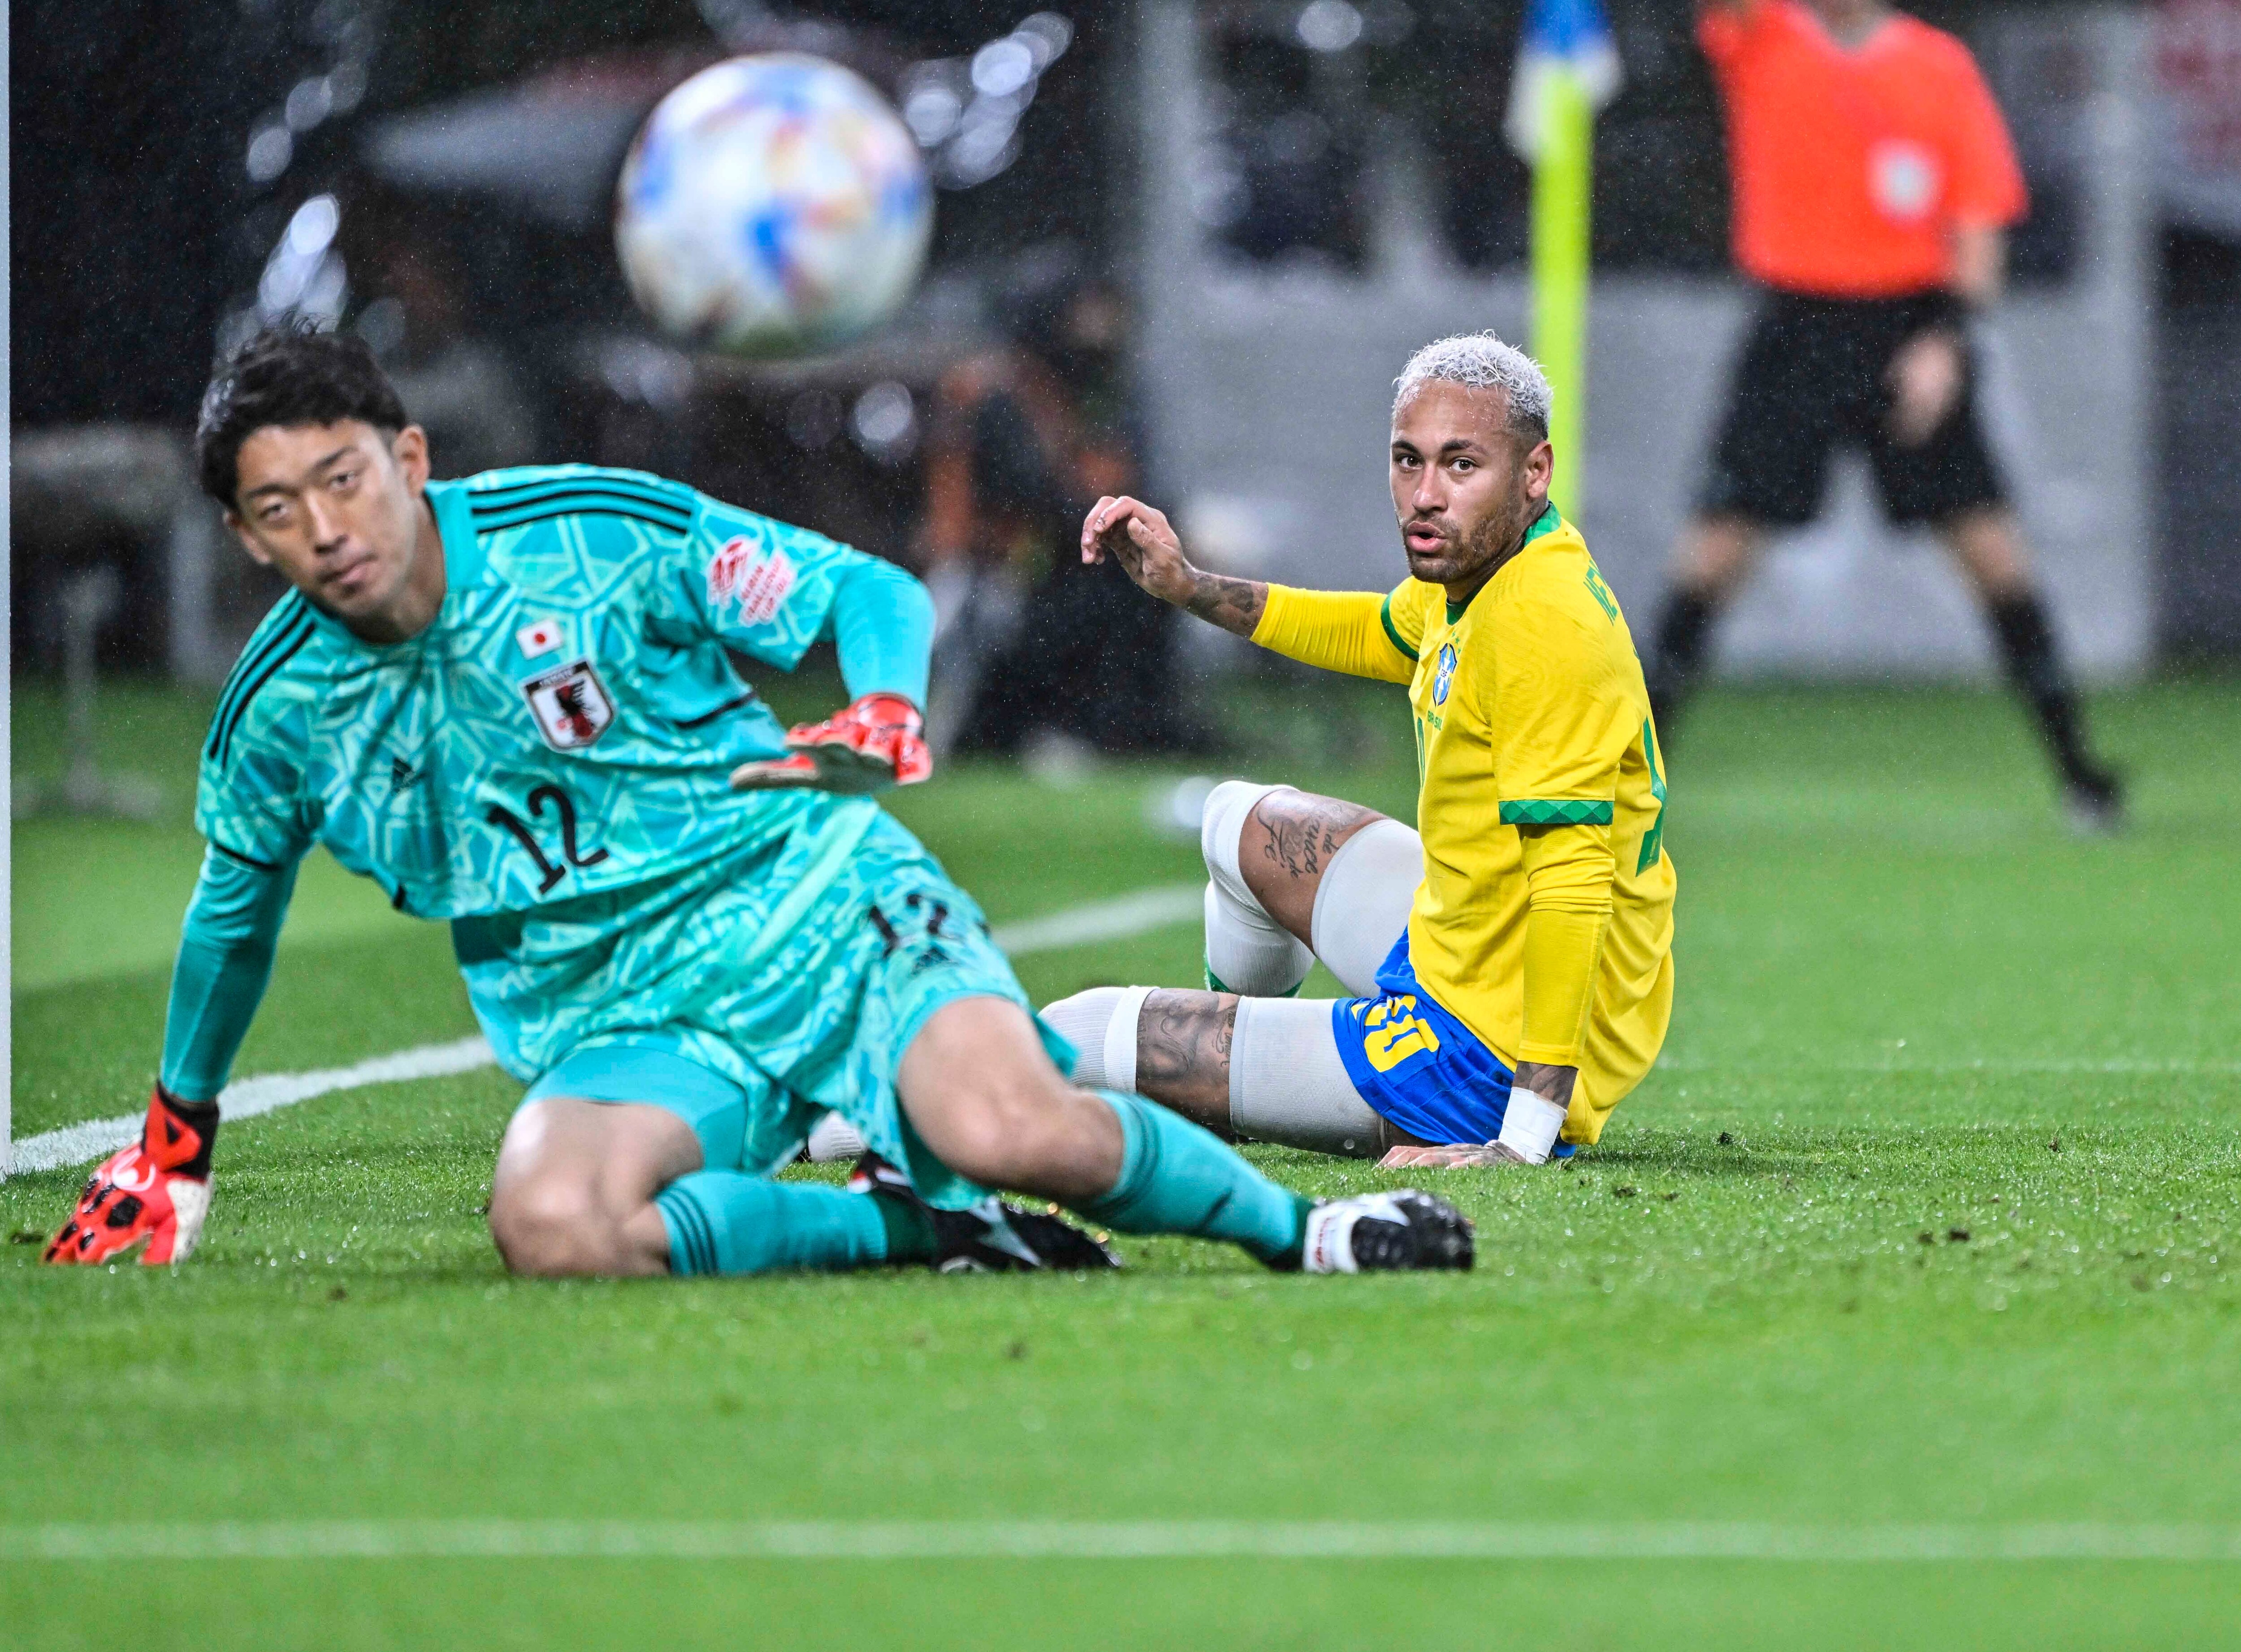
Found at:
(877, 742)
(1139, 538)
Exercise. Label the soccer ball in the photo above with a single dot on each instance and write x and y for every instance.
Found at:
(772, 205)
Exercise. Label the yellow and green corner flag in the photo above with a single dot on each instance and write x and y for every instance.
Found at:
(1567, 70)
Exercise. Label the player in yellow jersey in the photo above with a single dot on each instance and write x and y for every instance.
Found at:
(1513, 967)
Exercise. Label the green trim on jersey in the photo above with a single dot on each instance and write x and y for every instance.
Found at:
(1547, 523)
(1392, 632)
(1653, 841)
(1556, 811)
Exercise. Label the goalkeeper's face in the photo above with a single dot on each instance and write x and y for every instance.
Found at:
(338, 511)
(1465, 486)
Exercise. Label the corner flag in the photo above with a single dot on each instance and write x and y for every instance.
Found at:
(1567, 69)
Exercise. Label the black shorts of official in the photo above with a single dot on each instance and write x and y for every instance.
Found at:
(1812, 376)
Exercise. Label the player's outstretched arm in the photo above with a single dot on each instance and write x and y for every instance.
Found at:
(869, 745)
(156, 1192)
(882, 627)
(1353, 632)
(1148, 551)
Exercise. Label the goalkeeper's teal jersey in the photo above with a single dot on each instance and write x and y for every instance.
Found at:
(567, 723)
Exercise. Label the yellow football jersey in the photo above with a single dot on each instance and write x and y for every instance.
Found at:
(1529, 711)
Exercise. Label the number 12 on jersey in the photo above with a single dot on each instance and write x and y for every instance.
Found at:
(549, 871)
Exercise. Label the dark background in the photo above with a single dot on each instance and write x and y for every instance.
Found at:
(136, 228)
(134, 222)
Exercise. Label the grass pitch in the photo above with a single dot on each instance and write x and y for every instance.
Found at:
(1924, 1233)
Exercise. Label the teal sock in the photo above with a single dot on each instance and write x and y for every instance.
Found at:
(1177, 1178)
(720, 1221)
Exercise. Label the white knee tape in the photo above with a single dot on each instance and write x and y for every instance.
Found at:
(1246, 950)
(1100, 1024)
(1361, 905)
(1222, 824)
(1287, 1085)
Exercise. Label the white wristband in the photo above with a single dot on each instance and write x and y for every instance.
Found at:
(1529, 1126)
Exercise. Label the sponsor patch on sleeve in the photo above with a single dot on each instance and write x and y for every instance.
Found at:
(757, 580)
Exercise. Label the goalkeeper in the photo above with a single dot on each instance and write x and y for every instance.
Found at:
(507, 701)
(1512, 968)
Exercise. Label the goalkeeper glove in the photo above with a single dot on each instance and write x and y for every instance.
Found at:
(877, 742)
(157, 1190)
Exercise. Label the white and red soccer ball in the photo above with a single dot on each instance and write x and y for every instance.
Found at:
(772, 205)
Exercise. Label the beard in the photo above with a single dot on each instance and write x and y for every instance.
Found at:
(1479, 552)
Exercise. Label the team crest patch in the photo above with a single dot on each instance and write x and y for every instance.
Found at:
(1444, 677)
(757, 580)
(570, 705)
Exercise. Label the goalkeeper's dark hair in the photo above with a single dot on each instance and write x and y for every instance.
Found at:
(287, 375)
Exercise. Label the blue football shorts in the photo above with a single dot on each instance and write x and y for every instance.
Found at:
(1416, 1065)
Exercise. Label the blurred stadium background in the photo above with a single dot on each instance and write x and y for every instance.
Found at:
(1216, 229)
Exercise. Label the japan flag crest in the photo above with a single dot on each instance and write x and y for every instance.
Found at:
(570, 705)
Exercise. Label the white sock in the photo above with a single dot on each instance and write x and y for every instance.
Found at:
(833, 1140)
(1246, 951)
(1361, 905)
(1100, 1024)
(1287, 1083)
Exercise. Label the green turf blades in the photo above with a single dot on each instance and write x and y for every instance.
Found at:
(1913, 1005)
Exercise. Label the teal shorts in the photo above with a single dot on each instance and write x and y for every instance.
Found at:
(750, 997)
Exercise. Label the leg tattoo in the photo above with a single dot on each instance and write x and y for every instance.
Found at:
(1182, 1053)
(1288, 844)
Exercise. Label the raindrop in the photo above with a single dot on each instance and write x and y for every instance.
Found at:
(1328, 25)
(932, 113)
(1045, 36)
(345, 87)
(1004, 66)
(310, 102)
(314, 225)
(885, 420)
(270, 151)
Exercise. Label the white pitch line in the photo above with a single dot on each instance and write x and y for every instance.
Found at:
(246, 1098)
(1064, 1539)
(1135, 914)
(1131, 915)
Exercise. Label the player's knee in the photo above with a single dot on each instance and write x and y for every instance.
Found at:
(550, 1226)
(1009, 1131)
(979, 1137)
(1222, 827)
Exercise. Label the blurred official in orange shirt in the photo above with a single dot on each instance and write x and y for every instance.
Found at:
(1873, 181)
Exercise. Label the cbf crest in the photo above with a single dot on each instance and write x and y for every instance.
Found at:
(570, 704)
(1445, 676)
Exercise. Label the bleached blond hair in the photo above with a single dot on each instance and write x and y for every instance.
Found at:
(1484, 361)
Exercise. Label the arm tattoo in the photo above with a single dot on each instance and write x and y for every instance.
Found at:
(1235, 605)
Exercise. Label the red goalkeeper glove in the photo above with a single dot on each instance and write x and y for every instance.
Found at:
(157, 1190)
(878, 742)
